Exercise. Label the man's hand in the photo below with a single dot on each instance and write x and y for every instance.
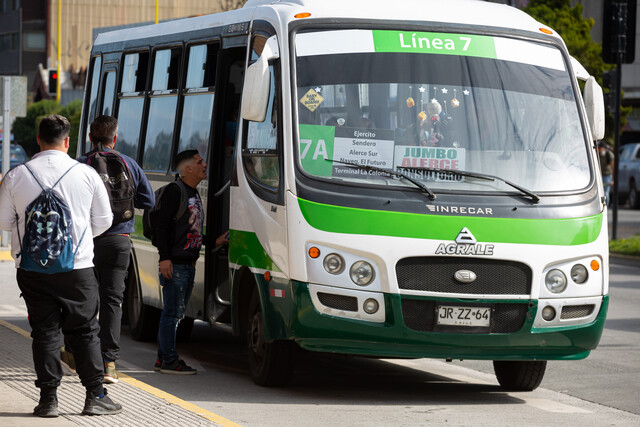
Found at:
(166, 269)
(223, 239)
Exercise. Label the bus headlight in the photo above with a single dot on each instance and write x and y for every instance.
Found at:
(579, 274)
(333, 263)
(555, 281)
(361, 273)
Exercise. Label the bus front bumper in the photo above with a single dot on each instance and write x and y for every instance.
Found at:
(408, 329)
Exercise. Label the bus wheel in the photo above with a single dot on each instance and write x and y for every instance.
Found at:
(143, 319)
(519, 375)
(270, 363)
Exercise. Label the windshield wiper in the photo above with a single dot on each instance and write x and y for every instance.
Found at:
(389, 173)
(534, 197)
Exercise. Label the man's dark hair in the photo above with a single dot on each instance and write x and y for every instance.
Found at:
(184, 155)
(103, 129)
(53, 129)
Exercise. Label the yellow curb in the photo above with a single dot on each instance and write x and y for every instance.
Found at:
(150, 389)
(176, 401)
(5, 255)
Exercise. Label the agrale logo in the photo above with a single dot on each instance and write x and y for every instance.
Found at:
(466, 244)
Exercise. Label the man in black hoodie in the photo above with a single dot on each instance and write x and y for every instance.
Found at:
(179, 241)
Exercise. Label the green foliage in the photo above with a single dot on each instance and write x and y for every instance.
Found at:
(72, 111)
(25, 129)
(575, 30)
(630, 246)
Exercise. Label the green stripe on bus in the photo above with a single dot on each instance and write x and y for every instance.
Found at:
(246, 249)
(439, 43)
(337, 219)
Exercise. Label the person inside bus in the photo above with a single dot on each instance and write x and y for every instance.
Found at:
(179, 241)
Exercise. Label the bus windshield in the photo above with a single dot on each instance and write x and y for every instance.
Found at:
(424, 103)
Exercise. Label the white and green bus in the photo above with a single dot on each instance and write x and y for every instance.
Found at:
(409, 181)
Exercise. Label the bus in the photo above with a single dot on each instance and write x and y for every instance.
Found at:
(410, 182)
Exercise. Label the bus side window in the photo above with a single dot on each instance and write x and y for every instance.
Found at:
(197, 107)
(131, 98)
(163, 103)
(108, 92)
(93, 99)
(260, 149)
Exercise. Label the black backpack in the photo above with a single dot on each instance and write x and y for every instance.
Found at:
(116, 175)
(150, 216)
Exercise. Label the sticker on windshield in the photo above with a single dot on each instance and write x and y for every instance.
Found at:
(419, 162)
(365, 147)
(350, 42)
(312, 99)
(440, 43)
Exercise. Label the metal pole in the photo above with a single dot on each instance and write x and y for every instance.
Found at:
(6, 141)
(156, 11)
(58, 80)
(616, 145)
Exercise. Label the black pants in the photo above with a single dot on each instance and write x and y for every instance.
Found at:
(67, 301)
(111, 256)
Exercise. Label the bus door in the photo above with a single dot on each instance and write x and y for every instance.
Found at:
(230, 73)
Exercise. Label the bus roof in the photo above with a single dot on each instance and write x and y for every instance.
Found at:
(461, 12)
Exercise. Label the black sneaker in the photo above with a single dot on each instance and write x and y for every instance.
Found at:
(47, 408)
(101, 406)
(157, 365)
(177, 368)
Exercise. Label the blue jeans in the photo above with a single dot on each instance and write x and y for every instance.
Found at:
(606, 182)
(175, 295)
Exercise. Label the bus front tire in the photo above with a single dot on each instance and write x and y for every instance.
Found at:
(519, 375)
(143, 319)
(271, 363)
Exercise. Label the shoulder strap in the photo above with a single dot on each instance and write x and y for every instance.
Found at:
(184, 199)
(56, 183)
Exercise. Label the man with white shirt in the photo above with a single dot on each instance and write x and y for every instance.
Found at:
(65, 300)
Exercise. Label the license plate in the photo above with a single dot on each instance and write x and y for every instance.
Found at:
(464, 316)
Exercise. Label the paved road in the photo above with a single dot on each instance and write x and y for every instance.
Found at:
(628, 222)
(336, 390)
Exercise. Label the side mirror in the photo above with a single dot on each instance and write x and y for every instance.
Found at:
(594, 104)
(257, 82)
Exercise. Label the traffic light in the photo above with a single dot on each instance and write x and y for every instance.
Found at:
(53, 82)
(609, 80)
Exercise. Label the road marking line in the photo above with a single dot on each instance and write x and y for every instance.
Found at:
(551, 406)
(149, 389)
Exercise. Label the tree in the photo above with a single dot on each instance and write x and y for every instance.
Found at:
(25, 129)
(575, 30)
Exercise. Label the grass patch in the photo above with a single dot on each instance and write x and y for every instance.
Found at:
(628, 246)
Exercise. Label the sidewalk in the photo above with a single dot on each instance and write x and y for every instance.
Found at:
(143, 405)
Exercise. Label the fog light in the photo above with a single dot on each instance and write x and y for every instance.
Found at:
(548, 313)
(333, 263)
(370, 306)
(555, 281)
(361, 273)
(579, 273)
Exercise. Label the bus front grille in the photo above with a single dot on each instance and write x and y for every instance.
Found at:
(420, 315)
(436, 274)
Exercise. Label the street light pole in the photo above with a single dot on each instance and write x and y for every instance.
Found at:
(59, 51)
